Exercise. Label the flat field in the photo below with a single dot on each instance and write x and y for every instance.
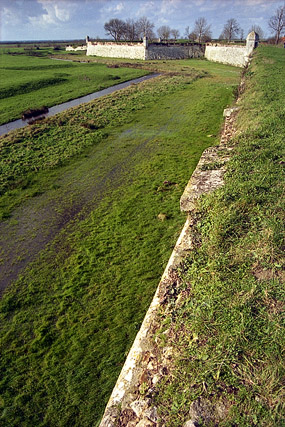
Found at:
(33, 81)
(90, 213)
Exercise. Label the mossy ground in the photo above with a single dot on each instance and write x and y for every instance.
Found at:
(98, 176)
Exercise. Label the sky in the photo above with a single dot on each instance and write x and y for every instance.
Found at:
(74, 19)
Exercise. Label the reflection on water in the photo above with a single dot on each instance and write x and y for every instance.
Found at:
(17, 124)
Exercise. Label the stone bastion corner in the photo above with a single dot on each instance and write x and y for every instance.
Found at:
(231, 54)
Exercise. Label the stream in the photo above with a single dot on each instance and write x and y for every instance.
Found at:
(20, 123)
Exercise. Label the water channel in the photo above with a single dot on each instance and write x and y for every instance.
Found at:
(20, 123)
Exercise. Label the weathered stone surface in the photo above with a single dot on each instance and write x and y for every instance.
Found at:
(174, 52)
(207, 177)
(190, 423)
(221, 410)
(233, 55)
(155, 379)
(229, 111)
(203, 182)
(145, 422)
(201, 409)
(115, 50)
(207, 412)
(209, 173)
(143, 50)
(151, 414)
(167, 352)
(139, 406)
(111, 415)
(71, 49)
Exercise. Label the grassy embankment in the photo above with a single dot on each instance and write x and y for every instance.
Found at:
(31, 82)
(70, 318)
(228, 334)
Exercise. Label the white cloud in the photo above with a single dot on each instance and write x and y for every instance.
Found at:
(168, 7)
(251, 2)
(119, 7)
(113, 9)
(55, 12)
(146, 8)
(207, 6)
(9, 16)
(258, 4)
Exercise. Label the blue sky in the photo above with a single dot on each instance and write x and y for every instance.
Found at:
(74, 19)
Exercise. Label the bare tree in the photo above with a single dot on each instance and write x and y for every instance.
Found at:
(241, 34)
(277, 22)
(190, 35)
(131, 30)
(145, 28)
(175, 33)
(187, 32)
(193, 36)
(164, 32)
(258, 30)
(202, 29)
(231, 29)
(115, 28)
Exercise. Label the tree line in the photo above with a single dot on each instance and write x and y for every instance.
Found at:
(131, 30)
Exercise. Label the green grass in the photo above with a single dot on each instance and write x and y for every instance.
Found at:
(30, 82)
(70, 318)
(228, 333)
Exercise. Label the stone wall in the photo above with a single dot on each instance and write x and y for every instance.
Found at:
(159, 51)
(74, 49)
(227, 54)
(144, 50)
(117, 50)
(232, 54)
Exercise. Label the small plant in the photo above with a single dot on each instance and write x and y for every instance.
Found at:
(212, 166)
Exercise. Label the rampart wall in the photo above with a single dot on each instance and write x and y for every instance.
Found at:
(71, 49)
(117, 50)
(158, 51)
(227, 54)
(232, 55)
(144, 50)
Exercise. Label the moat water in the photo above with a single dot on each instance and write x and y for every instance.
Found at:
(20, 123)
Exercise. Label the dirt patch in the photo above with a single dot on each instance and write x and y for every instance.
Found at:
(263, 274)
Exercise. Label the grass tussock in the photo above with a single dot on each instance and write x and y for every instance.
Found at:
(228, 333)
